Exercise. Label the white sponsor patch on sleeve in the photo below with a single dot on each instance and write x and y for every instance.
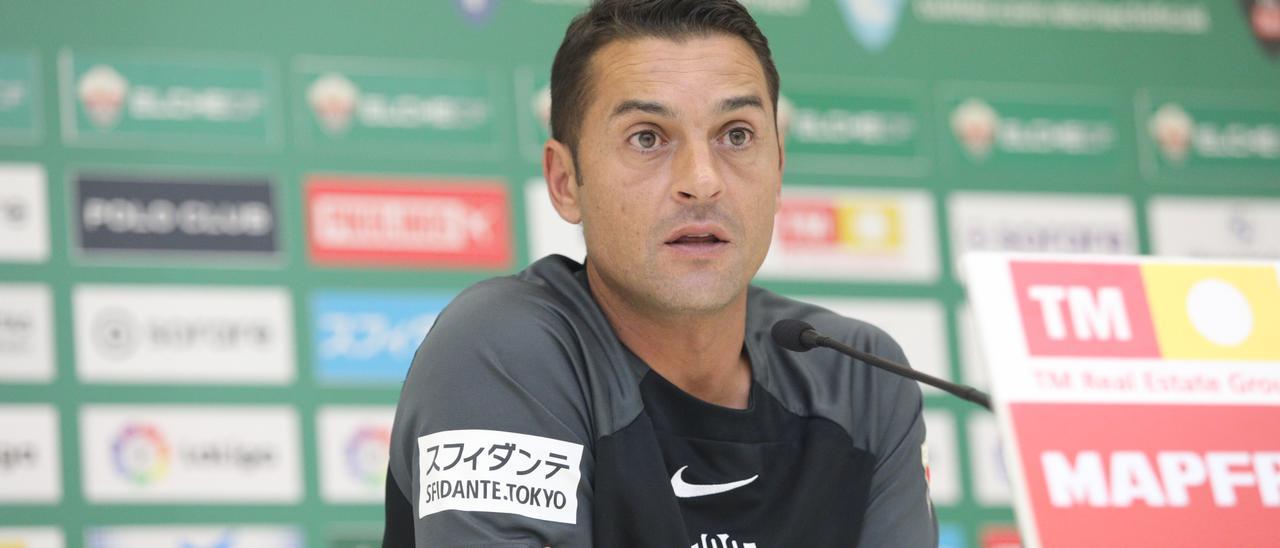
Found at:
(495, 471)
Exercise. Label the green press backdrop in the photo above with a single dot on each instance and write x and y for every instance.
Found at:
(225, 226)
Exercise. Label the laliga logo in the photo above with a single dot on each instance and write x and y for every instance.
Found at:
(332, 98)
(974, 124)
(141, 454)
(102, 90)
(1171, 128)
(367, 453)
(872, 22)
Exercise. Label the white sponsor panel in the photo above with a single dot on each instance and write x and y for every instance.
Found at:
(972, 366)
(943, 458)
(1143, 390)
(495, 471)
(355, 444)
(30, 462)
(26, 333)
(207, 454)
(1203, 226)
(918, 325)
(1040, 223)
(842, 234)
(24, 213)
(193, 536)
(548, 233)
(31, 537)
(158, 334)
(990, 476)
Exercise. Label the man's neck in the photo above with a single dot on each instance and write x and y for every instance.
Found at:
(702, 354)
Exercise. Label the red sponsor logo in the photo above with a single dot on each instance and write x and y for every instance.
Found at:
(1078, 309)
(1001, 537)
(405, 222)
(807, 224)
(1161, 475)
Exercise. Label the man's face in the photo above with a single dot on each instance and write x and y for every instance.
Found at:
(680, 168)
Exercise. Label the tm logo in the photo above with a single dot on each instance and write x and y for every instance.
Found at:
(872, 22)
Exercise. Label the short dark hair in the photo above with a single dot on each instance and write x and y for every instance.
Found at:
(609, 20)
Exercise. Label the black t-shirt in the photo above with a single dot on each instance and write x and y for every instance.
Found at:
(524, 421)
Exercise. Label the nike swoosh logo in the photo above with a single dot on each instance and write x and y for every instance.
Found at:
(687, 490)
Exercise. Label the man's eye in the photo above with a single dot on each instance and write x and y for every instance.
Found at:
(738, 137)
(644, 140)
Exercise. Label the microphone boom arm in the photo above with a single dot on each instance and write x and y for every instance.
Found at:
(968, 393)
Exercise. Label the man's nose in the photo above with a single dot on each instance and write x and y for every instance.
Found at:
(697, 177)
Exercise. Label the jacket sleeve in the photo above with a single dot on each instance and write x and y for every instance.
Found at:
(899, 512)
(491, 444)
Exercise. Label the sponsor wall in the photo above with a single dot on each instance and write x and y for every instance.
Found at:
(222, 238)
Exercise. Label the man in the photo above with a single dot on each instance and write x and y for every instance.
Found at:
(637, 400)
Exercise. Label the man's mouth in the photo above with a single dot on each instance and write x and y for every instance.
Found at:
(697, 239)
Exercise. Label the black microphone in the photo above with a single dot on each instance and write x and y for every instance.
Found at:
(799, 336)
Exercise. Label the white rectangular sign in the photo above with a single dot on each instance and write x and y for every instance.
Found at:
(1138, 395)
(24, 213)
(853, 234)
(1207, 226)
(183, 334)
(197, 454)
(1040, 223)
(30, 460)
(31, 537)
(26, 333)
(919, 326)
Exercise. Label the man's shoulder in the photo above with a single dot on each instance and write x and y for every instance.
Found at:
(545, 290)
(518, 327)
(874, 407)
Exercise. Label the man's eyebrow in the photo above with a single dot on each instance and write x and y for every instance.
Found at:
(651, 107)
(741, 101)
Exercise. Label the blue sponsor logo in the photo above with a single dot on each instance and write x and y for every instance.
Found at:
(369, 337)
(873, 22)
(951, 535)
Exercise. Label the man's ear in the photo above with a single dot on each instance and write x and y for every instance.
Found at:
(559, 170)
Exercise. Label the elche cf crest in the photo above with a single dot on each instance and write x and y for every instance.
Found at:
(872, 22)
(1263, 17)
